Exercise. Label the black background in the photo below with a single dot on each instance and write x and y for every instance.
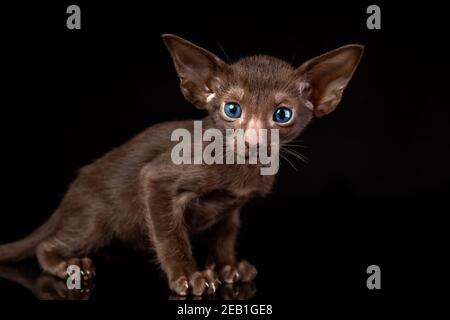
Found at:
(375, 189)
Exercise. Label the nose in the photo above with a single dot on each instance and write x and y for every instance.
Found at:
(251, 137)
(252, 132)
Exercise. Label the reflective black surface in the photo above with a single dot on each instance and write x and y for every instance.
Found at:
(375, 189)
(24, 281)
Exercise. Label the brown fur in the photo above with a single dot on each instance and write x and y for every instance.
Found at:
(136, 194)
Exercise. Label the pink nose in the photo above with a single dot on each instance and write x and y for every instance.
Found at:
(251, 137)
(252, 131)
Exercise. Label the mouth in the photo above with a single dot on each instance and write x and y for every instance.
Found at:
(252, 154)
(247, 155)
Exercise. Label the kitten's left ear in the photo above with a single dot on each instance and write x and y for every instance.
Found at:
(199, 70)
(323, 79)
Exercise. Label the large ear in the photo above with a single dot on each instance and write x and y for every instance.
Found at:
(323, 79)
(200, 71)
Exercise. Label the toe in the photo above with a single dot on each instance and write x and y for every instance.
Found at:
(88, 267)
(180, 286)
(247, 271)
(197, 283)
(212, 282)
(229, 274)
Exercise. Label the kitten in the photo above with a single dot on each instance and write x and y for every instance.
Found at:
(136, 194)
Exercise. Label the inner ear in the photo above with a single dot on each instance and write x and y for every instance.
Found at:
(200, 71)
(323, 79)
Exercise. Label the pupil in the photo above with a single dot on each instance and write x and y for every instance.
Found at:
(282, 115)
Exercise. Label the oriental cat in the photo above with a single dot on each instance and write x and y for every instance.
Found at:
(137, 194)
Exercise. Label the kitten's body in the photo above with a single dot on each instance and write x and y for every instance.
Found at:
(136, 194)
(114, 185)
(107, 200)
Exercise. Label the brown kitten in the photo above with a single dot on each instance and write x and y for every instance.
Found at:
(135, 193)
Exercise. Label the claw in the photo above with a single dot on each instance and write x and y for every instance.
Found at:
(186, 285)
(207, 284)
(236, 276)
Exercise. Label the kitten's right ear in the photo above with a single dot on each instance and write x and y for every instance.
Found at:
(200, 71)
(323, 79)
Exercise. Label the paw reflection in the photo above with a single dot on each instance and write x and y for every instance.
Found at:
(47, 287)
(237, 291)
(43, 286)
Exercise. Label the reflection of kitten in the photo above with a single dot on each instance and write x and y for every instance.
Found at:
(135, 193)
(47, 287)
(43, 286)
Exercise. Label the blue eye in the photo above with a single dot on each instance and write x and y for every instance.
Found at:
(232, 110)
(282, 115)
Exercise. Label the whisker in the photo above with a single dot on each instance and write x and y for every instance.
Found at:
(296, 154)
(288, 161)
(295, 145)
(223, 50)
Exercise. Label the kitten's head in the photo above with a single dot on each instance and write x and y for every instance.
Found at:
(262, 92)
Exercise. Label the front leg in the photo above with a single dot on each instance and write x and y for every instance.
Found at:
(222, 256)
(165, 220)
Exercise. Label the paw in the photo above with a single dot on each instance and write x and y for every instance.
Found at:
(87, 268)
(198, 283)
(86, 265)
(243, 271)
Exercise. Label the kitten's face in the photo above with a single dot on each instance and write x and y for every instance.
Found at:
(262, 92)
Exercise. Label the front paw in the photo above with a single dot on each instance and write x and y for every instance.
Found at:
(199, 283)
(242, 271)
